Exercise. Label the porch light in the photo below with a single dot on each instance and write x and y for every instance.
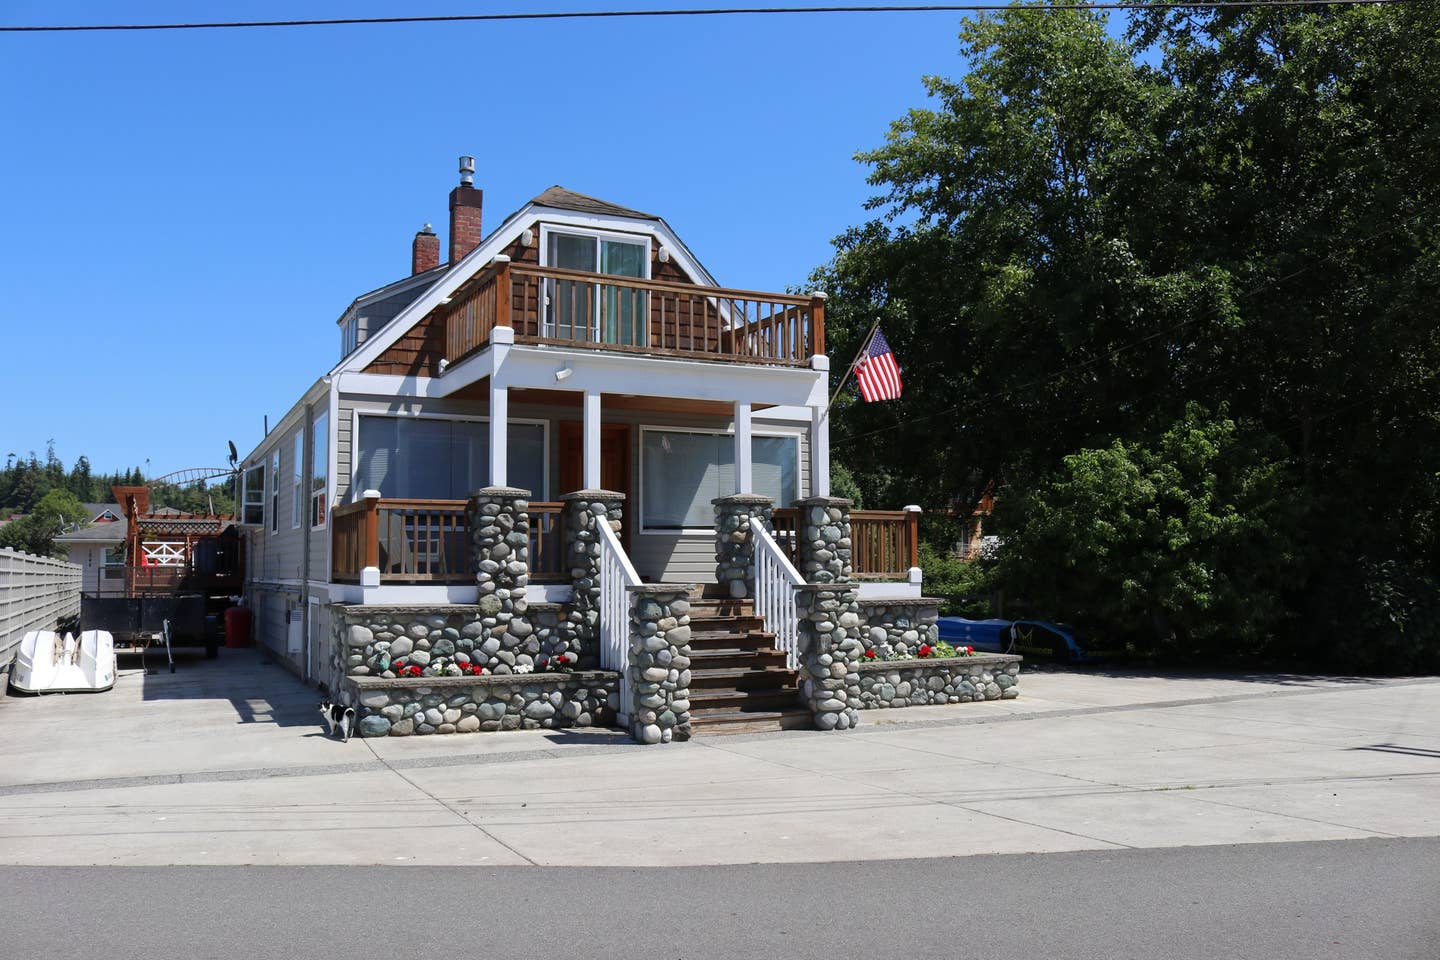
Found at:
(527, 238)
(563, 373)
(663, 255)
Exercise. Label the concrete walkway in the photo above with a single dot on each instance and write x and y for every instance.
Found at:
(226, 762)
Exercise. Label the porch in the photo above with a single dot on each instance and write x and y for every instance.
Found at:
(418, 542)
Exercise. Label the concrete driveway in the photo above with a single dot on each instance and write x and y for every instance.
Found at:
(226, 762)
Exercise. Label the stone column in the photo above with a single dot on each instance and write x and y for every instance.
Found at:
(580, 633)
(659, 674)
(830, 650)
(733, 549)
(499, 522)
(823, 539)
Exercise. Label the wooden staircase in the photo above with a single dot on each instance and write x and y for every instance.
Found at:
(739, 682)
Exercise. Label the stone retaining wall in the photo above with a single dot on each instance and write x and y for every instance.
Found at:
(367, 638)
(896, 625)
(399, 708)
(918, 683)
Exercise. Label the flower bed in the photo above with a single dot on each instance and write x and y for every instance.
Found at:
(925, 681)
(410, 705)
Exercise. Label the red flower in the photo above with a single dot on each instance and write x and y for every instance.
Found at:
(924, 649)
(869, 654)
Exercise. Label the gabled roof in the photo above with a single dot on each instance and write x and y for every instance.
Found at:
(97, 533)
(563, 199)
(562, 203)
(419, 281)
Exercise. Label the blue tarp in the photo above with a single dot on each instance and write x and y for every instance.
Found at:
(992, 636)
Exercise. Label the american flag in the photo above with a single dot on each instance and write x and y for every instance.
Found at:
(877, 373)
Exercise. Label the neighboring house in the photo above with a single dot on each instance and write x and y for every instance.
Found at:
(98, 546)
(580, 345)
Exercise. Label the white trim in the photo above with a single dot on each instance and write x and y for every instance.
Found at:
(499, 434)
(396, 594)
(590, 477)
(359, 410)
(880, 589)
(245, 494)
(745, 452)
(639, 480)
(819, 452)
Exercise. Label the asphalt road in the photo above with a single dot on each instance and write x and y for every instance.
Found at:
(1351, 898)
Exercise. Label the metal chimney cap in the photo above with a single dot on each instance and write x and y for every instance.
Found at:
(428, 229)
(467, 170)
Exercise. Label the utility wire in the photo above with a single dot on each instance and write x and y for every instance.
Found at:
(703, 12)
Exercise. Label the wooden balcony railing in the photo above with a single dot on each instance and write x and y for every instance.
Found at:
(597, 311)
(884, 544)
(427, 541)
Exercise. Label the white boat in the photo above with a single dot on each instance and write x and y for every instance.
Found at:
(48, 663)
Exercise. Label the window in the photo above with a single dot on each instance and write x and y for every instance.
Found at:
(424, 458)
(252, 497)
(297, 503)
(588, 311)
(319, 469)
(275, 491)
(681, 472)
(349, 339)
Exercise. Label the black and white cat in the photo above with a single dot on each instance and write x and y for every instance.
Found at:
(338, 718)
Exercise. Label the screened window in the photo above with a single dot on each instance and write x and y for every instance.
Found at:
(430, 459)
(682, 472)
(252, 496)
(319, 470)
(275, 491)
(297, 480)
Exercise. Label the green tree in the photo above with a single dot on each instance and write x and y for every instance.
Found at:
(1187, 546)
(1077, 243)
(35, 533)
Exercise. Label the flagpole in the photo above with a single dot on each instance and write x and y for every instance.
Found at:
(863, 347)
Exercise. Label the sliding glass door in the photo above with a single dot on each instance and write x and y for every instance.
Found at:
(578, 310)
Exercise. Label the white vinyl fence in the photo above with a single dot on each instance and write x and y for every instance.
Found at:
(35, 594)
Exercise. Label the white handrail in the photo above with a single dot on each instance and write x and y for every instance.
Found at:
(775, 581)
(616, 574)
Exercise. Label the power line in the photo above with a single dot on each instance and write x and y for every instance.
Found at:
(704, 12)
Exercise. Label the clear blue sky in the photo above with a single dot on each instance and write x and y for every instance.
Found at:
(186, 214)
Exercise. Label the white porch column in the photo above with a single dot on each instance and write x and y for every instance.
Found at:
(744, 467)
(499, 434)
(819, 452)
(591, 445)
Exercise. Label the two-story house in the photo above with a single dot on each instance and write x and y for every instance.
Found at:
(578, 353)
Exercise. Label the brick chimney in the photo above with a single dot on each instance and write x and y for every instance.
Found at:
(425, 251)
(465, 212)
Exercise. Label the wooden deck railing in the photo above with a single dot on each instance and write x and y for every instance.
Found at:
(884, 544)
(574, 308)
(427, 541)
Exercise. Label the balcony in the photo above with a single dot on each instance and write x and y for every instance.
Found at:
(570, 308)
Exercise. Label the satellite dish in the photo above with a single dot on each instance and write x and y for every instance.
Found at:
(234, 454)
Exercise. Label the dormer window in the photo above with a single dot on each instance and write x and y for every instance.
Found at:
(349, 336)
(601, 312)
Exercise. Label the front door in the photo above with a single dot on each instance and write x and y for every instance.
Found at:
(614, 464)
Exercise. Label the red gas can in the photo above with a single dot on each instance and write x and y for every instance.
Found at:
(237, 627)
